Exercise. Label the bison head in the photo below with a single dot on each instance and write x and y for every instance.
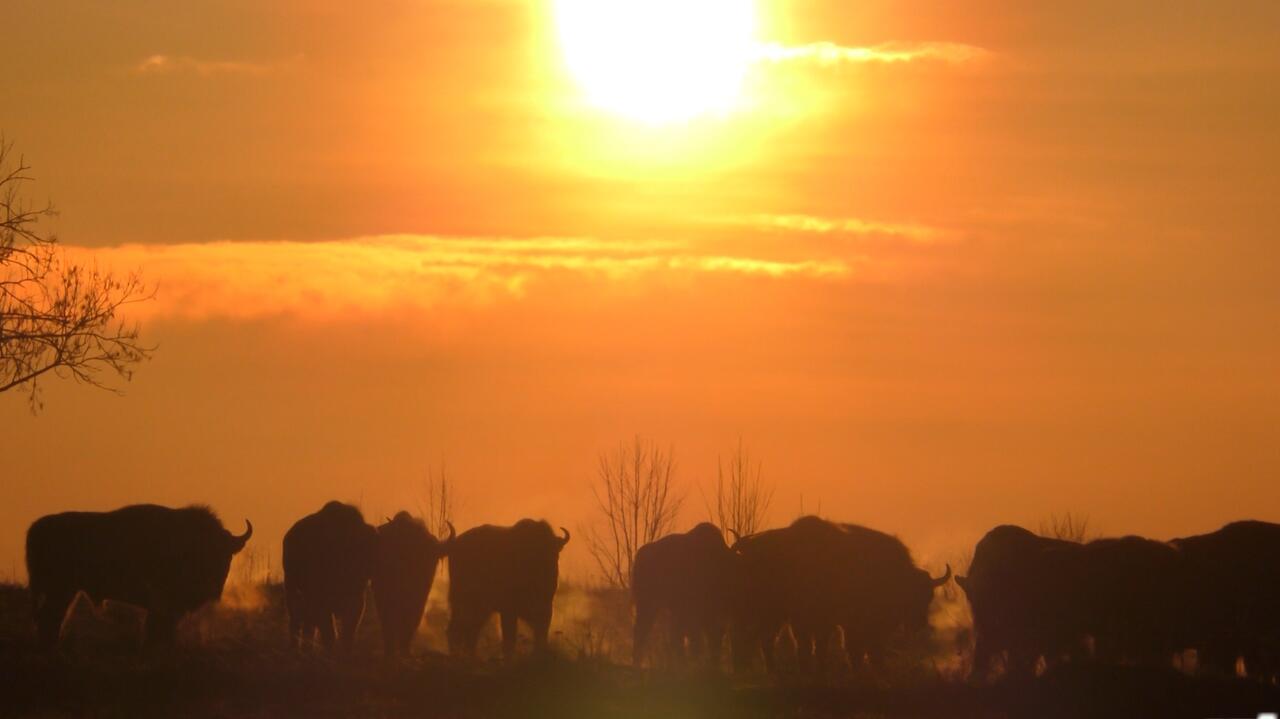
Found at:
(920, 595)
(210, 562)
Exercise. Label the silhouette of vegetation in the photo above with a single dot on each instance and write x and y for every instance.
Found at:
(437, 503)
(1069, 527)
(742, 498)
(638, 503)
(56, 316)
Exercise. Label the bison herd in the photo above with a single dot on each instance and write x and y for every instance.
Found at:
(1035, 600)
(1128, 599)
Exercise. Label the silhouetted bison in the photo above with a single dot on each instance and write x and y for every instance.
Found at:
(402, 576)
(1233, 597)
(167, 561)
(1021, 589)
(768, 580)
(509, 570)
(688, 577)
(1131, 592)
(819, 575)
(328, 560)
(886, 597)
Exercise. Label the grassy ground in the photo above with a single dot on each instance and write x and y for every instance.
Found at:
(232, 662)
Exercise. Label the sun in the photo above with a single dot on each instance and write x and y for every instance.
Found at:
(658, 61)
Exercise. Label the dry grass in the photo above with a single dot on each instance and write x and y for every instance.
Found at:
(232, 662)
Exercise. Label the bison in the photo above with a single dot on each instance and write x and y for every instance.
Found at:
(1130, 592)
(405, 567)
(885, 596)
(688, 577)
(168, 561)
(328, 561)
(1020, 590)
(818, 575)
(1036, 597)
(509, 570)
(1232, 581)
(767, 581)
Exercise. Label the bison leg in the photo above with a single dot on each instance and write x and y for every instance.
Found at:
(295, 631)
(510, 631)
(768, 640)
(464, 631)
(50, 609)
(744, 647)
(822, 649)
(714, 632)
(645, 617)
(805, 634)
(298, 625)
(394, 639)
(680, 631)
(1021, 663)
(348, 627)
(982, 658)
(327, 634)
(540, 622)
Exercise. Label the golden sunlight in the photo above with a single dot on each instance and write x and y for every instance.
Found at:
(658, 61)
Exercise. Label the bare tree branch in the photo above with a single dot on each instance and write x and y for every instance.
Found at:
(57, 316)
(637, 504)
(742, 498)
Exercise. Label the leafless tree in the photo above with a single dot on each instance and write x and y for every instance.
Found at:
(436, 504)
(1071, 527)
(742, 497)
(638, 504)
(56, 316)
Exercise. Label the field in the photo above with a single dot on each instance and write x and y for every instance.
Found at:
(232, 662)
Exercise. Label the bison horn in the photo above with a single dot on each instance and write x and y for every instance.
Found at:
(239, 542)
(943, 579)
(452, 532)
(736, 537)
(566, 537)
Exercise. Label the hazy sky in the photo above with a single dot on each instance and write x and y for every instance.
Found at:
(947, 266)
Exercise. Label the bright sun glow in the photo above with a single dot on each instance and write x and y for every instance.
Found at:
(659, 61)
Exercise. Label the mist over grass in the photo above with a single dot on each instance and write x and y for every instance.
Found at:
(232, 660)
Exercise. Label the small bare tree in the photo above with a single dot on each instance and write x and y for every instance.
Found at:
(1071, 527)
(637, 502)
(56, 316)
(436, 503)
(742, 497)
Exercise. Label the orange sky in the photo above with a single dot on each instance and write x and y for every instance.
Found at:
(970, 266)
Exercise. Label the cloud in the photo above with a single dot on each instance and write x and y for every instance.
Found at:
(179, 64)
(828, 53)
(389, 272)
(810, 224)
